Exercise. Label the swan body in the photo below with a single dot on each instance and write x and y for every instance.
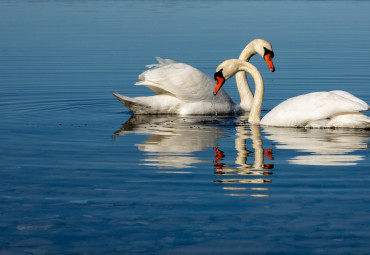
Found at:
(183, 89)
(180, 89)
(319, 110)
(313, 110)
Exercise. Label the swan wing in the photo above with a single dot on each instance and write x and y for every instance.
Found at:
(161, 62)
(344, 120)
(177, 79)
(352, 98)
(301, 110)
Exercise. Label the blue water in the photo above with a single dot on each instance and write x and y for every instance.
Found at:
(81, 175)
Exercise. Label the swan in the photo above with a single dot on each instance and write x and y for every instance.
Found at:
(183, 89)
(313, 110)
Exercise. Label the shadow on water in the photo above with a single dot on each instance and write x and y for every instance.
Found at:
(239, 154)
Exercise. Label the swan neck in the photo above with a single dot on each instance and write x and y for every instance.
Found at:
(255, 112)
(248, 52)
(245, 93)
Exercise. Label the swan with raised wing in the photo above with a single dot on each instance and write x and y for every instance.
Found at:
(183, 89)
(314, 110)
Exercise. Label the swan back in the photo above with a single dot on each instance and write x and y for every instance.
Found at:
(299, 111)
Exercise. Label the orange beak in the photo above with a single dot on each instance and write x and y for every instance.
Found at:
(269, 62)
(219, 82)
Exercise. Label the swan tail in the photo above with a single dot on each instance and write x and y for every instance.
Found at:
(134, 105)
(158, 104)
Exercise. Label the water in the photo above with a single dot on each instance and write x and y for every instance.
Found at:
(80, 175)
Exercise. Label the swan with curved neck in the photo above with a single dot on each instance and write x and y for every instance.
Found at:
(262, 48)
(183, 89)
(315, 110)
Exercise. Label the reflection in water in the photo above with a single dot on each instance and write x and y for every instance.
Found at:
(242, 167)
(173, 140)
(320, 146)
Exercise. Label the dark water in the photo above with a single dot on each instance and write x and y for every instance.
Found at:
(80, 175)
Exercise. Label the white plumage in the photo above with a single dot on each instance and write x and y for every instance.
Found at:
(320, 110)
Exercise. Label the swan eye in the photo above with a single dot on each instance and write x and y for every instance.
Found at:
(267, 51)
(219, 74)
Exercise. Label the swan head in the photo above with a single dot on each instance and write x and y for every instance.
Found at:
(264, 49)
(225, 71)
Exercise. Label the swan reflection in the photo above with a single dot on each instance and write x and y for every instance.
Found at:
(325, 147)
(173, 142)
(257, 168)
(172, 139)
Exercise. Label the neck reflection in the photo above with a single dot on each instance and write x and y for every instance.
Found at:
(243, 171)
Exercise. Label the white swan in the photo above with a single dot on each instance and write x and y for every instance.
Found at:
(183, 89)
(316, 110)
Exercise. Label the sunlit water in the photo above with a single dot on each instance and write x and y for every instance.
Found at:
(81, 175)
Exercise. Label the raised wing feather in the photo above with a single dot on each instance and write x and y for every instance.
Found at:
(178, 79)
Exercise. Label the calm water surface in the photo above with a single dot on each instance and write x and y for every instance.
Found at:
(81, 175)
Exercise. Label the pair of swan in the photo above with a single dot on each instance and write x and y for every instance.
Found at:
(183, 89)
